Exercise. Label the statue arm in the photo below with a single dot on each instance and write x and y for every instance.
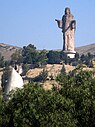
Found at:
(73, 24)
(59, 23)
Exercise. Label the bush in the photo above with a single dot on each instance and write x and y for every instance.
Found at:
(53, 57)
(35, 107)
(41, 77)
(25, 67)
(81, 90)
(71, 106)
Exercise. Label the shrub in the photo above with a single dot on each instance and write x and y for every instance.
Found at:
(80, 88)
(71, 106)
(35, 107)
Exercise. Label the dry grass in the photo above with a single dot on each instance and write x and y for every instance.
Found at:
(48, 85)
(53, 69)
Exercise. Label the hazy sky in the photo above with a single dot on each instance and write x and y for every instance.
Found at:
(33, 21)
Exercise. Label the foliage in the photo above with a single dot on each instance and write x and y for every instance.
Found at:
(7, 63)
(3, 118)
(63, 70)
(2, 62)
(77, 56)
(81, 90)
(25, 67)
(71, 106)
(41, 77)
(5, 77)
(35, 107)
(64, 57)
(30, 54)
(53, 57)
(16, 57)
(38, 58)
(42, 58)
(86, 59)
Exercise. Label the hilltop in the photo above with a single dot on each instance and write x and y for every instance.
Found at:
(7, 50)
(85, 49)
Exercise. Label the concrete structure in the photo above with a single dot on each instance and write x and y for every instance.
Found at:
(13, 81)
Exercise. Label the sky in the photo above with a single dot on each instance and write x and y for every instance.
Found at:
(24, 22)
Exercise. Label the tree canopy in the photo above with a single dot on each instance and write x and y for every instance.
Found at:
(71, 106)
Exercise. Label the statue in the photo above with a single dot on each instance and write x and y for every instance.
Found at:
(68, 26)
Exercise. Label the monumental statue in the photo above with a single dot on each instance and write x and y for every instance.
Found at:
(68, 26)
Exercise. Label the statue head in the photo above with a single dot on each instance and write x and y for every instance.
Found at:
(67, 11)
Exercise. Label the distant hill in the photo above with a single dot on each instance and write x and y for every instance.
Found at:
(7, 50)
(85, 49)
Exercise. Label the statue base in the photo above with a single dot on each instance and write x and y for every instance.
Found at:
(70, 54)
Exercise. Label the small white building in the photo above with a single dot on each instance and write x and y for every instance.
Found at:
(14, 81)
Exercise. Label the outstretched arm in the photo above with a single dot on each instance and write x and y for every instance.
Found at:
(59, 23)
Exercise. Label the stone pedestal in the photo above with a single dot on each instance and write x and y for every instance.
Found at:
(70, 54)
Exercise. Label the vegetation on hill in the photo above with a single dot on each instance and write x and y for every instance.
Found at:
(31, 56)
(2, 62)
(85, 49)
(71, 106)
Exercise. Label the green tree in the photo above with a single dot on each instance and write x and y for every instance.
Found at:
(71, 106)
(35, 107)
(30, 54)
(86, 59)
(16, 57)
(2, 106)
(62, 56)
(53, 57)
(2, 62)
(5, 77)
(77, 56)
(41, 77)
(83, 58)
(90, 56)
(63, 70)
(42, 58)
(80, 89)
(25, 68)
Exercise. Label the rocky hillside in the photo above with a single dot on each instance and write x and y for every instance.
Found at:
(85, 49)
(7, 50)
